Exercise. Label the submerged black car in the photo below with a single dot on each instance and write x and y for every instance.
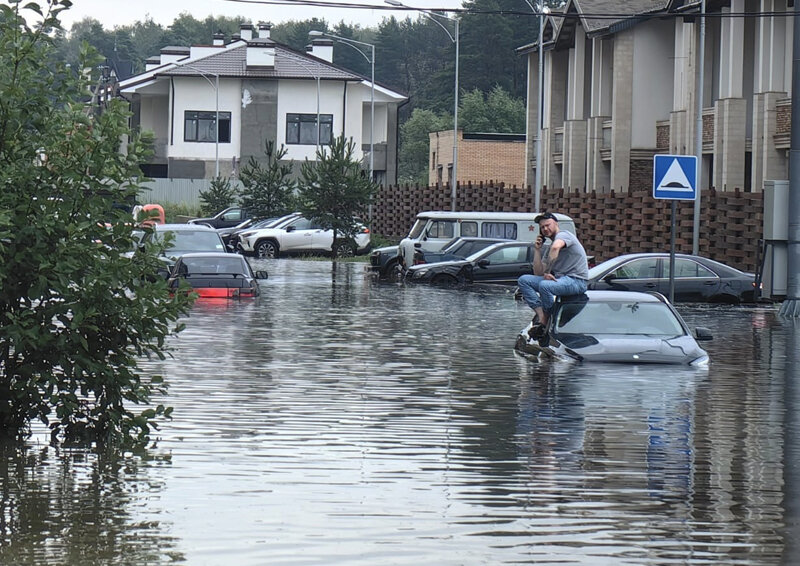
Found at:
(615, 326)
(499, 263)
(697, 279)
(455, 249)
(216, 275)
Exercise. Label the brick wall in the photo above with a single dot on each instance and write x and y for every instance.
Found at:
(784, 118)
(708, 127)
(609, 224)
(641, 178)
(662, 136)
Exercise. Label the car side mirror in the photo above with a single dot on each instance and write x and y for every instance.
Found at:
(701, 333)
(484, 263)
(262, 275)
(290, 228)
(609, 278)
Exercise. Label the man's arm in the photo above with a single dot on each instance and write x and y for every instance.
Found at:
(555, 249)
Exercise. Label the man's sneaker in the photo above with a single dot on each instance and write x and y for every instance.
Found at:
(537, 331)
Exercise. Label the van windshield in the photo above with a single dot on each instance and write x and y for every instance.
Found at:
(416, 229)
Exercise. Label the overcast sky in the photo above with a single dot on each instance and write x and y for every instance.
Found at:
(124, 12)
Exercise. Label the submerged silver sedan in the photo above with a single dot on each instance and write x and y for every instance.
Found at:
(615, 326)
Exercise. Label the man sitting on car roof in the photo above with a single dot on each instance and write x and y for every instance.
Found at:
(561, 270)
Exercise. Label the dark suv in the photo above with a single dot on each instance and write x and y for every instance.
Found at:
(231, 216)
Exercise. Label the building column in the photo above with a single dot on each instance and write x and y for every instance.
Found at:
(684, 98)
(575, 124)
(730, 111)
(622, 112)
(769, 163)
(597, 175)
(532, 121)
(554, 107)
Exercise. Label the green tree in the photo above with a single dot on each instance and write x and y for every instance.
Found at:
(219, 196)
(415, 144)
(498, 112)
(268, 190)
(76, 314)
(334, 192)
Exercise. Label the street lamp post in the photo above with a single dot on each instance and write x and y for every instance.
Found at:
(454, 39)
(316, 77)
(215, 86)
(371, 60)
(542, 10)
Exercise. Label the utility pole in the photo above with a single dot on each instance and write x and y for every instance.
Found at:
(791, 306)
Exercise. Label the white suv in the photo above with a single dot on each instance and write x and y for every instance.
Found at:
(299, 235)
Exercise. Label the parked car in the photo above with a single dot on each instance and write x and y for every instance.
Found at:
(216, 275)
(300, 235)
(230, 236)
(183, 239)
(455, 249)
(616, 326)
(697, 279)
(231, 216)
(499, 263)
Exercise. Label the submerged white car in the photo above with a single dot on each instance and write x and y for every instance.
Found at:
(300, 235)
(615, 326)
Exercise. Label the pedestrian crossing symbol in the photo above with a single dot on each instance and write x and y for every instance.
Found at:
(675, 177)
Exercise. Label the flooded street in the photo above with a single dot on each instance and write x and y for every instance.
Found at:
(338, 420)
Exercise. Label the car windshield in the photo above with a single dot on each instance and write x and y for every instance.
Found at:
(193, 241)
(617, 317)
(417, 228)
(206, 265)
(446, 247)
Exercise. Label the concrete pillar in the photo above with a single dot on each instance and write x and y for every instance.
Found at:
(555, 75)
(576, 78)
(731, 52)
(597, 174)
(769, 88)
(621, 113)
(532, 119)
(575, 154)
(730, 132)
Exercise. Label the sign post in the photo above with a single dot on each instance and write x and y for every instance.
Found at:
(674, 178)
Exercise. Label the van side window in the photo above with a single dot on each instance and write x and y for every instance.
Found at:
(469, 229)
(441, 229)
(507, 230)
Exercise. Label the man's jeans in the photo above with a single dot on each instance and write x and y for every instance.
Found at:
(540, 292)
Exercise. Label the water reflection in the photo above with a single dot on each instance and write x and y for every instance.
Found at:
(337, 420)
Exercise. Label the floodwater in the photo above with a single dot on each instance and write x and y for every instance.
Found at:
(338, 420)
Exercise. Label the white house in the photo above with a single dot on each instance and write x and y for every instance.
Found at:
(262, 91)
(621, 84)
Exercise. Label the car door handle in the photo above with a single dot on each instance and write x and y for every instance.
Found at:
(709, 283)
(650, 285)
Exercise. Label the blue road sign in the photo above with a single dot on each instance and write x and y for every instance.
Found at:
(675, 177)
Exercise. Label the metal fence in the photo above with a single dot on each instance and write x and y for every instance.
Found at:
(176, 191)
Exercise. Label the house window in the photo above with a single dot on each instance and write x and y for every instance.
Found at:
(200, 126)
(302, 129)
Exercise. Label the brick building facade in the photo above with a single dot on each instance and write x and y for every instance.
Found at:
(482, 158)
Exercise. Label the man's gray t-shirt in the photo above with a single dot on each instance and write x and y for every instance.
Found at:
(571, 259)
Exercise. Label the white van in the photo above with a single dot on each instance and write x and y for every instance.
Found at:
(433, 229)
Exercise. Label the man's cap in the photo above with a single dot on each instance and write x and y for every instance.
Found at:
(545, 216)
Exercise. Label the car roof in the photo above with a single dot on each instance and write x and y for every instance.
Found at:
(183, 227)
(520, 216)
(615, 297)
(210, 255)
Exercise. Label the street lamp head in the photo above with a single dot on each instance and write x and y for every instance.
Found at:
(316, 33)
(395, 3)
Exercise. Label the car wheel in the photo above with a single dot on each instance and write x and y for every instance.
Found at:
(344, 250)
(394, 272)
(266, 249)
(444, 280)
